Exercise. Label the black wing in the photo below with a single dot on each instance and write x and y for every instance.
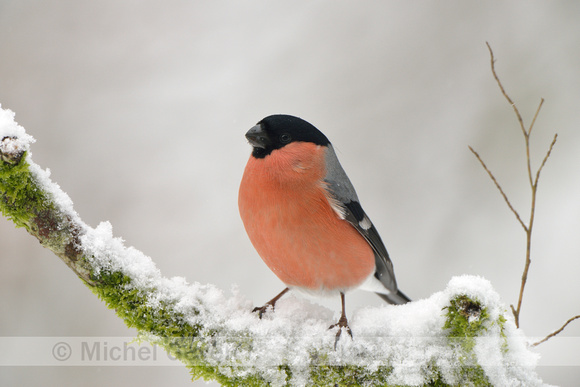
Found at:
(344, 201)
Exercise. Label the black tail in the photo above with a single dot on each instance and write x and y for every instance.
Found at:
(395, 298)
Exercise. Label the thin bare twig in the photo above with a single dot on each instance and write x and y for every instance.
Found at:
(527, 264)
(545, 159)
(533, 183)
(555, 332)
(535, 116)
(513, 105)
(499, 188)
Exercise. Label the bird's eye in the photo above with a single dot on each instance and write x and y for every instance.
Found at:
(285, 138)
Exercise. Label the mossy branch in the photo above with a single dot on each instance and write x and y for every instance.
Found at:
(218, 338)
(28, 205)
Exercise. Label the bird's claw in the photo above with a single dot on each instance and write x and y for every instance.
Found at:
(342, 323)
(261, 309)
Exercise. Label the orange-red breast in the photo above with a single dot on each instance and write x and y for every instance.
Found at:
(304, 218)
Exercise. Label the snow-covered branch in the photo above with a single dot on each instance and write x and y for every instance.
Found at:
(461, 335)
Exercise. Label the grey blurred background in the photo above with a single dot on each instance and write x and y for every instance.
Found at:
(139, 110)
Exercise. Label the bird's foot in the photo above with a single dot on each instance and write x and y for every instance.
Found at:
(342, 323)
(262, 309)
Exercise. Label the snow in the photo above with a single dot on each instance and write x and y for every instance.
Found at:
(409, 337)
(9, 128)
(109, 253)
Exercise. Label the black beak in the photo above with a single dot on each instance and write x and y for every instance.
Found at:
(257, 137)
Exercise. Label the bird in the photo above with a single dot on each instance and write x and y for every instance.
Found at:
(303, 217)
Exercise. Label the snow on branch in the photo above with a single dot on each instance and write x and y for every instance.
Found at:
(459, 336)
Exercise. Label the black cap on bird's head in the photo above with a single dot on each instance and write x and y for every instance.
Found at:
(274, 132)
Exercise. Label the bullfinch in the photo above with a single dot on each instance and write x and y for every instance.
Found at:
(303, 217)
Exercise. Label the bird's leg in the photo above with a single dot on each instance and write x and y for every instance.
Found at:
(272, 302)
(342, 322)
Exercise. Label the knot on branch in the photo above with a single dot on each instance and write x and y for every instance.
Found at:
(468, 308)
(465, 319)
(11, 150)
